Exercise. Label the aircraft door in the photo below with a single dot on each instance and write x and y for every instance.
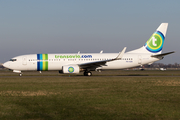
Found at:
(139, 59)
(24, 61)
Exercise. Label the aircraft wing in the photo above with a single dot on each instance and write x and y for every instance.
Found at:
(162, 55)
(93, 64)
(101, 63)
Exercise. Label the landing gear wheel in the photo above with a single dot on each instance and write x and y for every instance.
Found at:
(20, 74)
(87, 73)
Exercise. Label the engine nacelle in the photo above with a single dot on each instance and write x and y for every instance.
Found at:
(70, 69)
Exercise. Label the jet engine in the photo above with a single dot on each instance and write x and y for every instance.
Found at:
(70, 69)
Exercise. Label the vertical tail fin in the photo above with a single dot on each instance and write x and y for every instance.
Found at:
(156, 41)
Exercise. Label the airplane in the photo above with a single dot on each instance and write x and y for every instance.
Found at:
(150, 52)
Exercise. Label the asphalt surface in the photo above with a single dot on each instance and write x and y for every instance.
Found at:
(25, 76)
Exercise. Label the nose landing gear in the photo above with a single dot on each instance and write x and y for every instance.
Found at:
(18, 71)
(20, 75)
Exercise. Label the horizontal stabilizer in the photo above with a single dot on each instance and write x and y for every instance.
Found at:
(161, 55)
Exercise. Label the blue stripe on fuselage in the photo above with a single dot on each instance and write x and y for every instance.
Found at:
(39, 62)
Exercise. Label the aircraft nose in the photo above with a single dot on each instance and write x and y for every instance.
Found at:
(6, 64)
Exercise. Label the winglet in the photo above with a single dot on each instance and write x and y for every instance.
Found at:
(101, 51)
(120, 54)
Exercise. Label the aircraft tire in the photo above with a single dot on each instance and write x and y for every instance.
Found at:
(20, 74)
(87, 73)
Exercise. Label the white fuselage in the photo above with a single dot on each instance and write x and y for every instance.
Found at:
(57, 61)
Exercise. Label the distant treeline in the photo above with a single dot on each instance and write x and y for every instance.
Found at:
(161, 65)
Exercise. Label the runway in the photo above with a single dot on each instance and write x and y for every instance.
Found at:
(120, 76)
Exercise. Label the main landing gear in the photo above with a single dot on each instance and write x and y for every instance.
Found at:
(87, 73)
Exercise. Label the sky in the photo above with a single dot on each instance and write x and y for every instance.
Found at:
(88, 26)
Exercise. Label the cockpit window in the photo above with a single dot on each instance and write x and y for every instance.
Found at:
(13, 60)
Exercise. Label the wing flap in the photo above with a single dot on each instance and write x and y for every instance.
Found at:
(93, 64)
